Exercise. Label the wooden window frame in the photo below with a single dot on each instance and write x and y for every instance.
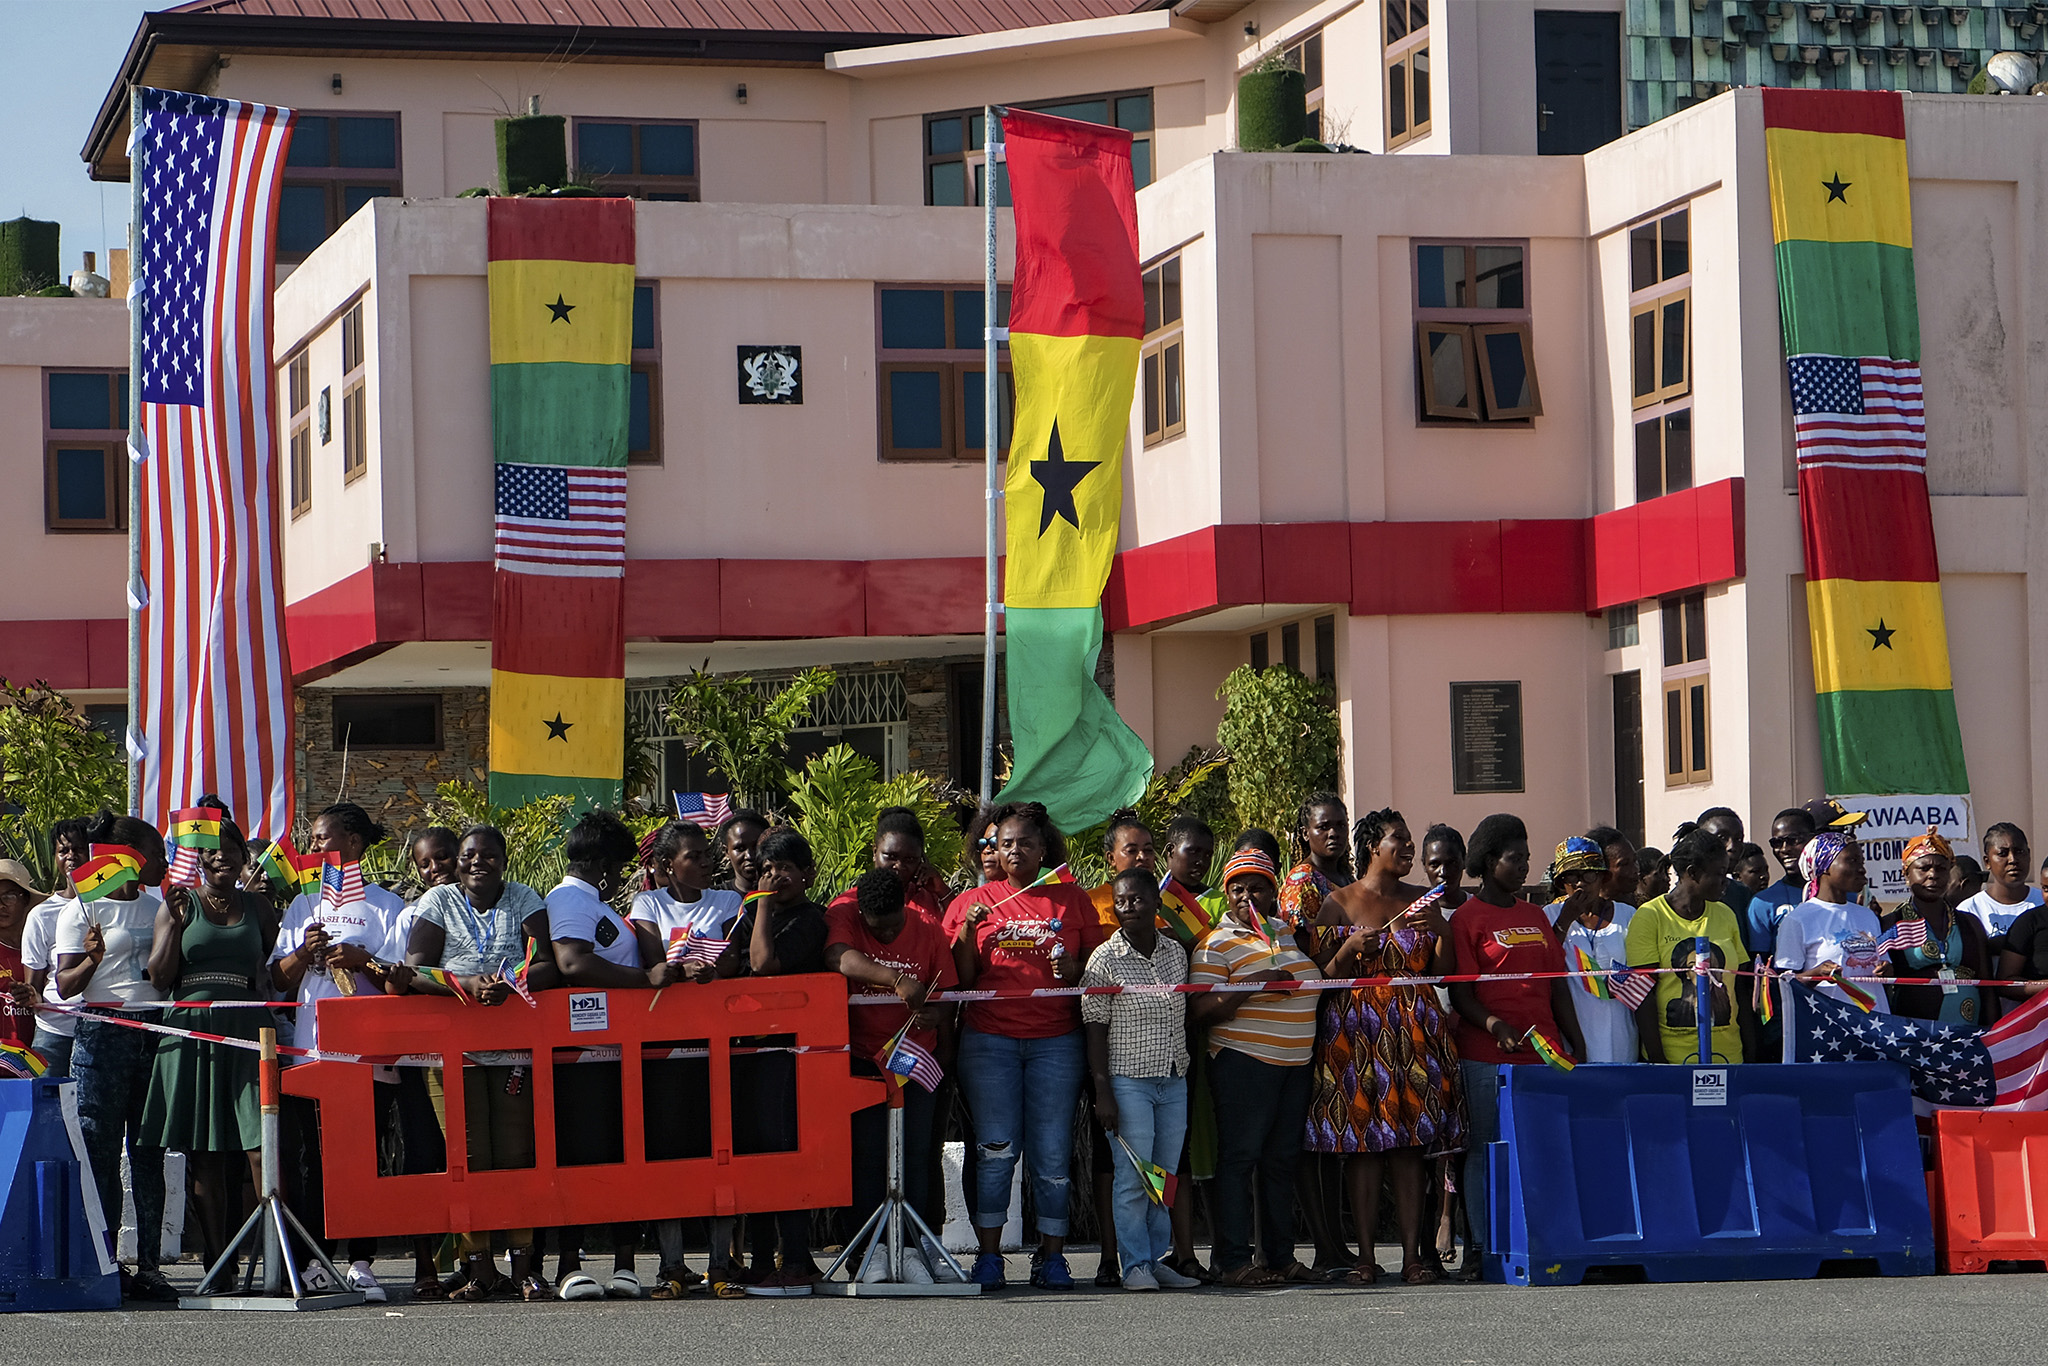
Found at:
(1162, 358)
(1403, 52)
(110, 442)
(1471, 326)
(1432, 406)
(1695, 746)
(1495, 410)
(1652, 301)
(973, 153)
(647, 361)
(299, 437)
(636, 185)
(336, 180)
(355, 403)
(1660, 414)
(954, 365)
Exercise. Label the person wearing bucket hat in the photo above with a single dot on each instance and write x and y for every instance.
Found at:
(18, 893)
(1259, 1046)
(1594, 932)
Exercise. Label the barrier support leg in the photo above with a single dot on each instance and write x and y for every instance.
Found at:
(268, 1231)
(883, 1232)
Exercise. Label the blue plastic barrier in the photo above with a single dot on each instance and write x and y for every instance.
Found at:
(1757, 1172)
(53, 1235)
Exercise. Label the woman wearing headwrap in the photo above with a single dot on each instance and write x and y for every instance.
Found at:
(1594, 930)
(1830, 933)
(1957, 951)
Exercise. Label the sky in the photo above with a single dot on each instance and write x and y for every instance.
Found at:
(58, 58)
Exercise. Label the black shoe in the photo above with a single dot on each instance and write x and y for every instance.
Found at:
(149, 1284)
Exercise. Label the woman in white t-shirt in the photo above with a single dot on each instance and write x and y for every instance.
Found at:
(1593, 930)
(69, 848)
(1831, 930)
(685, 901)
(103, 952)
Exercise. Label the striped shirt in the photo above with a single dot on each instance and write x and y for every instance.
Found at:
(1277, 1027)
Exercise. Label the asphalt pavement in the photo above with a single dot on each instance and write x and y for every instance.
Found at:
(1981, 1319)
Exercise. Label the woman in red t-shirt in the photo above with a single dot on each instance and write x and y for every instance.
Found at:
(1495, 931)
(1022, 1059)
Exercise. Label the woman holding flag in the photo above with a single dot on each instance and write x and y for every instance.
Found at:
(1594, 931)
(1021, 1059)
(1260, 1043)
(1386, 1074)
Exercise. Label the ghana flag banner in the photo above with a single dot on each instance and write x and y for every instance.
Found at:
(561, 288)
(1077, 316)
(1841, 214)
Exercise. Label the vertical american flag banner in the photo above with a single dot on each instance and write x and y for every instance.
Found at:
(215, 708)
(561, 289)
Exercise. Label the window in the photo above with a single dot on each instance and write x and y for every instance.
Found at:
(930, 369)
(355, 436)
(1262, 652)
(1473, 348)
(387, 721)
(299, 397)
(1622, 629)
(1660, 353)
(648, 159)
(1326, 650)
(1290, 645)
(1628, 755)
(1687, 753)
(337, 164)
(643, 427)
(1161, 367)
(85, 428)
(1407, 63)
(956, 159)
(1306, 57)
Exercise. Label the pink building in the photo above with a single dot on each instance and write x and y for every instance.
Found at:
(1495, 441)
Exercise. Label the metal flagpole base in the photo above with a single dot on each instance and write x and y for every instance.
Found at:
(271, 1215)
(883, 1235)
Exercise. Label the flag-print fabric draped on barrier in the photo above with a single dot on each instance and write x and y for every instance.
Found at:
(1841, 214)
(1077, 316)
(215, 709)
(561, 289)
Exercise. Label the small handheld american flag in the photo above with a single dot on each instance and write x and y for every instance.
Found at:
(1906, 934)
(706, 809)
(911, 1061)
(686, 947)
(1630, 986)
(340, 883)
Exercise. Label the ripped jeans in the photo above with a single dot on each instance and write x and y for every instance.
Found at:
(1022, 1091)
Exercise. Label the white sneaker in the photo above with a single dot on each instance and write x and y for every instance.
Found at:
(1169, 1279)
(941, 1269)
(314, 1276)
(1140, 1277)
(364, 1282)
(915, 1272)
(874, 1265)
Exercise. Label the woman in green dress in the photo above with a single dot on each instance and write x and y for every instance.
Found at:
(212, 943)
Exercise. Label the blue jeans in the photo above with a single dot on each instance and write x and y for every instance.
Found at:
(56, 1051)
(1482, 1115)
(1022, 1091)
(1151, 1116)
(112, 1065)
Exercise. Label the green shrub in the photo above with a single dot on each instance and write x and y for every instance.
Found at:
(1284, 743)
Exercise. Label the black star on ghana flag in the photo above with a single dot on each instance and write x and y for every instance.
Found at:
(1881, 634)
(559, 309)
(1058, 476)
(1837, 188)
(558, 729)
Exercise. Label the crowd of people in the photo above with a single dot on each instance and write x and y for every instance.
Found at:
(1278, 1112)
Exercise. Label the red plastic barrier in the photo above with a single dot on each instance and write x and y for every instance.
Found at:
(1991, 1188)
(817, 1175)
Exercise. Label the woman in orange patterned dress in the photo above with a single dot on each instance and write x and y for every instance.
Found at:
(1385, 1089)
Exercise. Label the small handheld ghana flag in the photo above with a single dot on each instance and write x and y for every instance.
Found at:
(1595, 981)
(516, 975)
(1548, 1051)
(1765, 1010)
(196, 827)
(1180, 913)
(1858, 997)
(111, 867)
(443, 978)
(22, 1063)
(1159, 1183)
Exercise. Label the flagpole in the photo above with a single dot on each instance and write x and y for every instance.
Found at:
(135, 447)
(989, 427)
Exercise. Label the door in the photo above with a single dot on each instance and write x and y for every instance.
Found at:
(1578, 81)
(1628, 755)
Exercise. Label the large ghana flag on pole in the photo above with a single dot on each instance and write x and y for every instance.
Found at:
(1077, 316)
(1841, 214)
(561, 286)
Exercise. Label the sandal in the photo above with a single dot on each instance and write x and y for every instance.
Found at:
(1249, 1277)
(1420, 1273)
(728, 1290)
(1300, 1274)
(669, 1288)
(1191, 1266)
(535, 1287)
(428, 1287)
(474, 1291)
(1365, 1273)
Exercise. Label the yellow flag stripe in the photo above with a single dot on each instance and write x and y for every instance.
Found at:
(1877, 637)
(592, 725)
(591, 325)
(1083, 386)
(1839, 187)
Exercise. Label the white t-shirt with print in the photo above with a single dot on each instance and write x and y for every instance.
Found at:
(1609, 1027)
(1816, 932)
(369, 922)
(1995, 915)
(39, 954)
(129, 931)
(710, 916)
(576, 911)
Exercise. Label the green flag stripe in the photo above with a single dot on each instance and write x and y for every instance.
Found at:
(516, 789)
(552, 413)
(1907, 741)
(1848, 299)
(1073, 752)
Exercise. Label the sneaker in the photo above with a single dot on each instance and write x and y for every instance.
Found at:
(148, 1283)
(1169, 1279)
(941, 1266)
(988, 1271)
(783, 1284)
(313, 1275)
(1053, 1273)
(915, 1272)
(874, 1267)
(364, 1282)
(1140, 1277)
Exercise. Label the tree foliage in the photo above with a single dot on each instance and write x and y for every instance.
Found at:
(837, 797)
(1197, 786)
(533, 830)
(1283, 739)
(743, 733)
(53, 765)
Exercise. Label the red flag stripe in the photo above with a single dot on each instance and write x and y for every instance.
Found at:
(529, 230)
(1067, 287)
(1872, 525)
(1880, 113)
